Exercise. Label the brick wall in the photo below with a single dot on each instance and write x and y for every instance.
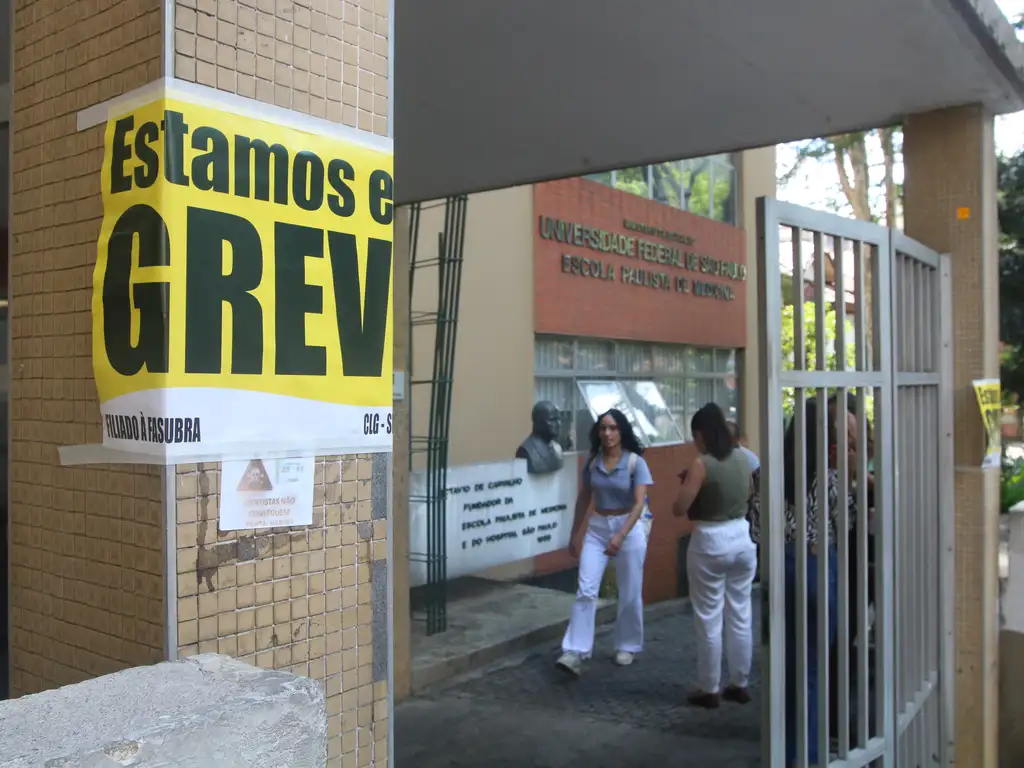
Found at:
(661, 566)
(326, 58)
(585, 306)
(86, 542)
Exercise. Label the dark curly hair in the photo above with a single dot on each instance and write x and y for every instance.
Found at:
(626, 433)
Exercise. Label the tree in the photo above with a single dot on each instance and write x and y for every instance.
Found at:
(870, 195)
(858, 157)
(1011, 272)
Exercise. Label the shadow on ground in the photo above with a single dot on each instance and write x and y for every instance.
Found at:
(522, 712)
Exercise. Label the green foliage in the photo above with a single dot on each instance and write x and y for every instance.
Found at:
(810, 344)
(1011, 272)
(1011, 484)
(700, 185)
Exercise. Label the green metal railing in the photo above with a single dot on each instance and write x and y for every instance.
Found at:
(451, 241)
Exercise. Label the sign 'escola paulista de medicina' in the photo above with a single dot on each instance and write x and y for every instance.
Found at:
(243, 286)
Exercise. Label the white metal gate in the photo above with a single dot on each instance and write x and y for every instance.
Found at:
(858, 655)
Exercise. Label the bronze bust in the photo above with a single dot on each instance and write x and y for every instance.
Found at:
(541, 450)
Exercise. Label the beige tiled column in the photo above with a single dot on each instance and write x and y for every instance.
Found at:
(86, 543)
(400, 493)
(311, 600)
(950, 205)
(757, 179)
(326, 58)
(87, 547)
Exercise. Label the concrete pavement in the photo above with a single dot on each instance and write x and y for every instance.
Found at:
(522, 712)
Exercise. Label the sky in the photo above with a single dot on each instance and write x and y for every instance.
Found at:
(817, 185)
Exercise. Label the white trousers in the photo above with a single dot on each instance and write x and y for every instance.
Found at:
(720, 563)
(629, 574)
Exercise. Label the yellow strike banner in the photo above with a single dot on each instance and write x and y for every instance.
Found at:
(990, 402)
(243, 285)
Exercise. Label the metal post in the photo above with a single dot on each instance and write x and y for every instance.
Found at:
(947, 536)
(772, 488)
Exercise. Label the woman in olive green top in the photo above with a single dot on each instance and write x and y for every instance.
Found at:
(721, 558)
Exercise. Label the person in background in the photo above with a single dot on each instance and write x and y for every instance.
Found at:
(721, 559)
(755, 476)
(796, 598)
(737, 441)
(615, 478)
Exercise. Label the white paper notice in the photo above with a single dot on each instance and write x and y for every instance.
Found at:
(266, 493)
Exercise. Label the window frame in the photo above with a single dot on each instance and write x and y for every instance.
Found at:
(575, 373)
(725, 164)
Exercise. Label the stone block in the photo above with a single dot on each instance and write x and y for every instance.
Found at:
(206, 710)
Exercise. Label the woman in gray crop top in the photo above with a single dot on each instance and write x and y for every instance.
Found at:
(614, 482)
(721, 559)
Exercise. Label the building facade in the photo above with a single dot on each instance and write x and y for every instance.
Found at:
(630, 289)
(113, 565)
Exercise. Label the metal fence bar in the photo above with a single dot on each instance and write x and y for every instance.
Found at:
(860, 308)
(863, 568)
(824, 559)
(843, 543)
(902, 491)
(884, 480)
(899, 305)
(790, 214)
(910, 379)
(451, 241)
(799, 361)
(907, 572)
(843, 636)
(840, 301)
(930, 532)
(825, 562)
(829, 379)
(934, 576)
(773, 501)
(899, 597)
(799, 598)
(909, 246)
(891, 678)
(946, 560)
(864, 729)
(926, 526)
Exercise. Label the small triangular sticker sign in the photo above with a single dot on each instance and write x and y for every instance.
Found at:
(255, 478)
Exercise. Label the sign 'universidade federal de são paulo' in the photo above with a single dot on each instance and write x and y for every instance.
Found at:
(243, 285)
(633, 247)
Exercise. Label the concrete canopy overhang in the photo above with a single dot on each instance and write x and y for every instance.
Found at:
(493, 93)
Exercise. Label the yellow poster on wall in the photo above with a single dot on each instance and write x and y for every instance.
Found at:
(243, 285)
(990, 401)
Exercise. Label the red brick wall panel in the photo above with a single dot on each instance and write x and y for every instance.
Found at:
(575, 305)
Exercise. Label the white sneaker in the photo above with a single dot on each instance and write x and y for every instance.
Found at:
(623, 658)
(570, 663)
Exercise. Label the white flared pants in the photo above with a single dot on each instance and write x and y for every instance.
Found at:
(720, 563)
(629, 574)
